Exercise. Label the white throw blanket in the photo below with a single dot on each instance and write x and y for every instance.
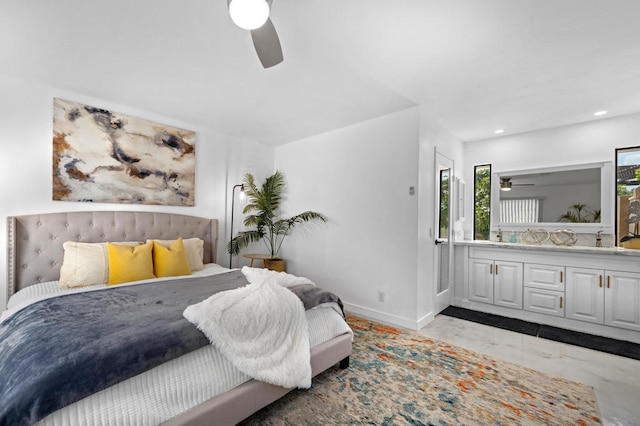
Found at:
(261, 328)
(255, 275)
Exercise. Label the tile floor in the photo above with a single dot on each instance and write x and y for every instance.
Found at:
(616, 380)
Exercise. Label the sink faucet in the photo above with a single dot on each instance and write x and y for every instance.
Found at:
(599, 239)
(499, 235)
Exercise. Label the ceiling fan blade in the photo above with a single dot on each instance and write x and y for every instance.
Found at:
(267, 44)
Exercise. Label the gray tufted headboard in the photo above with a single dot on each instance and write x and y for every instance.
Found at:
(34, 242)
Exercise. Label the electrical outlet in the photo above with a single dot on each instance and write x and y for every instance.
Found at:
(380, 296)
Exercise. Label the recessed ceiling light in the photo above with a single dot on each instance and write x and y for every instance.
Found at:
(599, 113)
(497, 132)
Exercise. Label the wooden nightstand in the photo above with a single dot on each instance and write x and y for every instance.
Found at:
(256, 257)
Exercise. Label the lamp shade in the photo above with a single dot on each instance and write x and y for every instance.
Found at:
(249, 14)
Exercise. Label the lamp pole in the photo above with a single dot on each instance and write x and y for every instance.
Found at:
(233, 203)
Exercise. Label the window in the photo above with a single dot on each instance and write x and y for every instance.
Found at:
(443, 219)
(519, 210)
(482, 202)
(627, 194)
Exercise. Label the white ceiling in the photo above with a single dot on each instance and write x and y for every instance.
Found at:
(476, 65)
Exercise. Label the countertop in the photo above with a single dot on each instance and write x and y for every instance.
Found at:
(619, 251)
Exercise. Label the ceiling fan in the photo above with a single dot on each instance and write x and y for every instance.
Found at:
(253, 15)
(506, 184)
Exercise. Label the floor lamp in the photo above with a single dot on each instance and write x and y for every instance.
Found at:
(233, 203)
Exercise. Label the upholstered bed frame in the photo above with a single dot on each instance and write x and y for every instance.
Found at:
(34, 242)
(35, 254)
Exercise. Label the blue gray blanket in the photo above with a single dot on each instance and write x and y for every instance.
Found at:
(58, 351)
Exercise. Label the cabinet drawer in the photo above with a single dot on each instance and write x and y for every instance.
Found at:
(547, 277)
(544, 301)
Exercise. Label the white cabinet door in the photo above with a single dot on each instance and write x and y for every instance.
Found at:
(544, 301)
(507, 284)
(481, 280)
(548, 277)
(622, 300)
(585, 295)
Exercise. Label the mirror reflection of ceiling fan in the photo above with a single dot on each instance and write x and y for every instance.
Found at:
(506, 184)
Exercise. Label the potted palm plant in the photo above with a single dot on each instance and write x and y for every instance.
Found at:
(578, 213)
(261, 213)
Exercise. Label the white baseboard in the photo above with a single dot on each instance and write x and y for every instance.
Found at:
(389, 318)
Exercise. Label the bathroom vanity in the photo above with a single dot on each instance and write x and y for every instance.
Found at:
(589, 289)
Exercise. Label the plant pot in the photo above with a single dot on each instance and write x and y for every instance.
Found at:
(275, 264)
(633, 243)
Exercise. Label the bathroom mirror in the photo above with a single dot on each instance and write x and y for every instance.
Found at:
(578, 197)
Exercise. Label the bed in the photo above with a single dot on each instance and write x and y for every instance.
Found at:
(180, 391)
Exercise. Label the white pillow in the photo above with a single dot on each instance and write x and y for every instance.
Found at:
(194, 247)
(86, 263)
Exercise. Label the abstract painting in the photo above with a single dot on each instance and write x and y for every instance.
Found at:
(105, 157)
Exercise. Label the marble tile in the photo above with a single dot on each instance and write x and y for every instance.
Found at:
(616, 380)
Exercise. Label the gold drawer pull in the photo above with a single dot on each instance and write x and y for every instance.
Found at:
(560, 278)
(608, 281)
(496, 269)
(491, 268)
(600, 281)
(561, 301)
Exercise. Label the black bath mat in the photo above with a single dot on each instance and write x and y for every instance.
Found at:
(511, 324)
(589, 341)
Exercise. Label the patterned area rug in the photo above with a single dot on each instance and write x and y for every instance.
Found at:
(402, 378)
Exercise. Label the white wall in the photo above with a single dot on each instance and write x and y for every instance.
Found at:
(359, 177)
(377, 237)
(590, 142)
(26, 161)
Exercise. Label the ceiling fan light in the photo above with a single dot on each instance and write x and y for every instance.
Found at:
(505, 185)
(249, 14)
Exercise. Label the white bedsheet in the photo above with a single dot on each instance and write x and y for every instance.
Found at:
(162, 393)
(33, 293)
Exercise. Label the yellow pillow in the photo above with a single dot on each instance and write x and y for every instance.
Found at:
(170, 261)
(194, 247)
(128, 263)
